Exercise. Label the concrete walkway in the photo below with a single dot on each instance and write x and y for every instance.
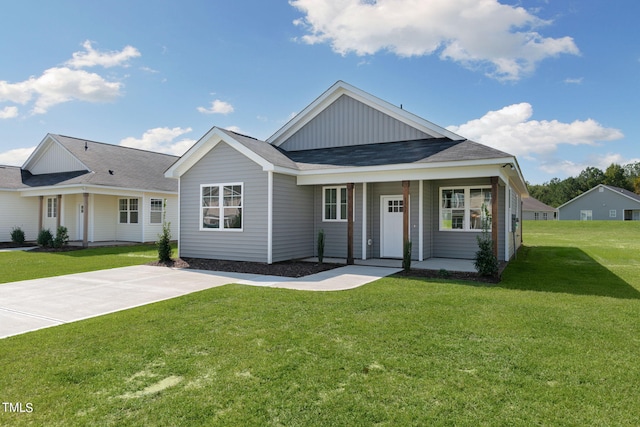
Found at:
(35, 304)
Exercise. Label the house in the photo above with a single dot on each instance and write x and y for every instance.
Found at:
(602, 202)
(368, 174)
(534, 209)
(100, 192)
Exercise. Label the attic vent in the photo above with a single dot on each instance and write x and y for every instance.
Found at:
(601, 189)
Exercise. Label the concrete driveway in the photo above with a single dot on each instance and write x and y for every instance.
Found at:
(35, 304)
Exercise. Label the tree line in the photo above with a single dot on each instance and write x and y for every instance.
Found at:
(559, 191)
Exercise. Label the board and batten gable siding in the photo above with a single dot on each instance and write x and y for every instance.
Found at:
(23, 213)
(600, 203)
(223, 164)
(462, 244)
(350, 122)
(293, 213)
(56, 159)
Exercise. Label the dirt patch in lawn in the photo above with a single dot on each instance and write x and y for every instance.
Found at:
(285, 268)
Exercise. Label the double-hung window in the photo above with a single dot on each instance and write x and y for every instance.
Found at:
(52, 207)
(465, 208)
(334, 202)
(156, 211)
(221, 206)
(128, 209)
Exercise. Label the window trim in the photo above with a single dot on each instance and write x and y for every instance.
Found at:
(338, 202)
(52, 207)
(221, 207)
(613, 213)
(128, 210)
(467, 208)
(151, 210)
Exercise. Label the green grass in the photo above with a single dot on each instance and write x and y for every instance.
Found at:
(24, 265)
(556, 343)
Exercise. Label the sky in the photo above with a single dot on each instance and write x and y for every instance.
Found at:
(555, 83)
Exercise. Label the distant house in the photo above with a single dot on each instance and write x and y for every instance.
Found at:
(370, 175)
(603, 202)
(534, 209)
(99, 192)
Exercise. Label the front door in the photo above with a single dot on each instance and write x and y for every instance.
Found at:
(391, 213)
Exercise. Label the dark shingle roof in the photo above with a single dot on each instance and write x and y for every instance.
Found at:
(389, 153)
(112, 166)
(627, 193)
(531, 204)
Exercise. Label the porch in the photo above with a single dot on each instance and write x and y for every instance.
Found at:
(448, 264)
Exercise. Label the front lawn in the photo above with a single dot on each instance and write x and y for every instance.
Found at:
(24, 265)
(555, 343)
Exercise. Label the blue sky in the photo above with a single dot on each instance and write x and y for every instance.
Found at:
(557, 83)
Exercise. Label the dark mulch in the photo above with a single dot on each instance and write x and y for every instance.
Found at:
(285, 268)
(11, 245)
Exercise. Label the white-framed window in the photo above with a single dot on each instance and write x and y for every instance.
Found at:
(334, 203)
(536, 216)
(461, 208)
(52, 207)
(613, 213)
(221, 206)
(156, 210)
(545, 216)
(128, 210)
(586, 215)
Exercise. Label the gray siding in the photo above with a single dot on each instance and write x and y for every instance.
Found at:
(222, 165)
(350, 122)
(600, 203)
(293, 219)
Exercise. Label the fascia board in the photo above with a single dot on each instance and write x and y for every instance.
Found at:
(53, 190)
(204, 146)
(42, 147)
(342, 88)
(620, 194)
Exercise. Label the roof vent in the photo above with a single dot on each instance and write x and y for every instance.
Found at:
(110, 172)
(85, 146)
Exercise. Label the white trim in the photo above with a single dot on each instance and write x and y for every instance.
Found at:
(467, 209)
(178, 216)
(37, 154)
(338, 202)
(364, 221)
(382, 212)
(341, 88)
(221, 207)
(269, 217)
(421, 220)
(52, 190)
(507, 221)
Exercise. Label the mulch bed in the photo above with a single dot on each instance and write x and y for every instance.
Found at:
(285, 268)
(11, 245)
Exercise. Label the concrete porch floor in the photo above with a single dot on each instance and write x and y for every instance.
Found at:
(449, 264)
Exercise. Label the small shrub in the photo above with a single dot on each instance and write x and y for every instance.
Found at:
(486, 262)
(320, 246)
(62, 237)
(17, 235)
(165, 251)
(443, 273)
(406, 256)
(45, 238)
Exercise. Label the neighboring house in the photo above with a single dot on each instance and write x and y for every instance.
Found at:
(369, 174)
(602, 202)
(100, 192)
(536, 210)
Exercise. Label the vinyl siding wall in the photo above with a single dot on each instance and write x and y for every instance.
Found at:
(293, 214)
(350, 122)
(56, 159)
(224, 164)
(18, 212)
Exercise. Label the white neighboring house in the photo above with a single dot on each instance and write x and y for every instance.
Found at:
(100, 192)
(534, 209)
(371, 176)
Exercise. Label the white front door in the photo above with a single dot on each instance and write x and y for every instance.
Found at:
(391, 213)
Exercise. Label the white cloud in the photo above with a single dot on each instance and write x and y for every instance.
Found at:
(161, 140)
(510, 129)
(62, 84)
(575, 81)
(502, 39)
(91, 57)
(9, 112)
(568, 168)
(217, 107)
(16, 157)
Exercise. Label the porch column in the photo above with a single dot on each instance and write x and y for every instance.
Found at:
(364, 221)
(494, 214)
(85, 231)
(59, 213)
(405, 213)
(40, 213)
(350, 223)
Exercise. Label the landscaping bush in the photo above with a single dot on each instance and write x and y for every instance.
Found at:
(165, 251)
(320, 246)
(17, 235)
(45, 238)
(486, 262)
(62, 237)
(406, 256)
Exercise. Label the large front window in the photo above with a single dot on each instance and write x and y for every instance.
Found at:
(334, 203)
(128, 209)
(221, 207)
(465, 208)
